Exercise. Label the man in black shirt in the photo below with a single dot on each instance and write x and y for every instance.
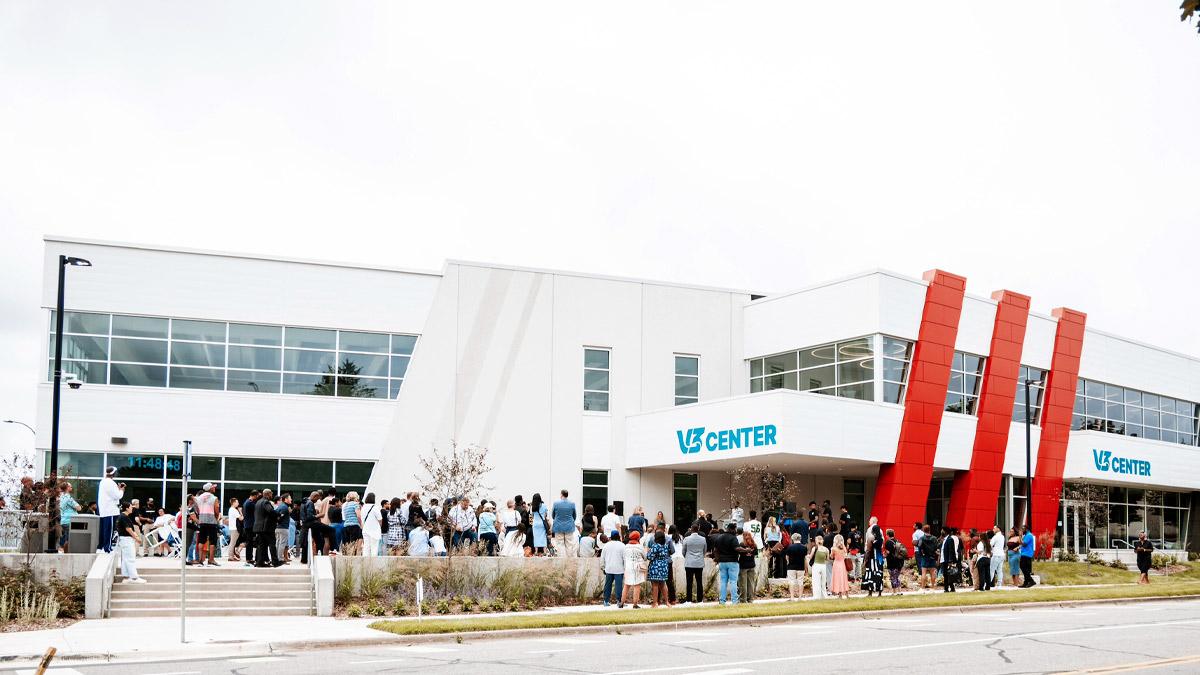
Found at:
(264, 531)
(725, 552)
(1145, 553)
(812, 511)
(844, 521)
(127, 534)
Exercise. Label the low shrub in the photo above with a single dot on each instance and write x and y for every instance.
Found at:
(375, 608)
(1117, 564)
(353, 611)
(400, 608)
(1063, 555)
(1094, 558)
(443, 606)
(1161, 561)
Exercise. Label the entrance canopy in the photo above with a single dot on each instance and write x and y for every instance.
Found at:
(789, 430)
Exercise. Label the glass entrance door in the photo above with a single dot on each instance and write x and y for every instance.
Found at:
(1074, 534)
(686, 489)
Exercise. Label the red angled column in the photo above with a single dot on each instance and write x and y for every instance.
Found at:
(1056, 425)
(975, 493)
(903, 486)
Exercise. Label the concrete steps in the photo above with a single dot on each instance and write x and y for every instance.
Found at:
(229, 590)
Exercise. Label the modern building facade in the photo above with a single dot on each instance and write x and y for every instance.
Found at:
(900, 397)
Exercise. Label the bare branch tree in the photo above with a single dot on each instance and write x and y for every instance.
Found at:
(452, 475)
(758, 487)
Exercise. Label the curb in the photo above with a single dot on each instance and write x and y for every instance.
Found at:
(216, 650)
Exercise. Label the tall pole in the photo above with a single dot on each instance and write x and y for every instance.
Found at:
(1028, 467)
(185, 472)
(52, 509)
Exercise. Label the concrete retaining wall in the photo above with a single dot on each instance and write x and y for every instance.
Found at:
(66, 565)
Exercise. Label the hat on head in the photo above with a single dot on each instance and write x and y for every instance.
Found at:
(614, 534)
(635, 535)
(207, 487)
(110, 471)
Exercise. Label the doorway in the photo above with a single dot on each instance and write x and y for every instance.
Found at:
(686, 489)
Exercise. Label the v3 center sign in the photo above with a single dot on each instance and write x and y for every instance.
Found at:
(693, 439)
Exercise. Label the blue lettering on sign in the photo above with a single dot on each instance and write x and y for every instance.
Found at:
(691, 440)
(1105, 461)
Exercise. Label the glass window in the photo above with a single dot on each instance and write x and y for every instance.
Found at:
(354, 472)
(139, 351)
(817, 378)
(253, 380)
(78, 464)
(595, 379)
(89, 372)
(83, 347)
(687, 379)
(138, 465)
(255, 358)
(135, 375)
(784, 381)
(780, 363)
(363, 342)
(817, 356)
(893, 393)
(864, 391)
(197, 378)
(251, 469)
(307, 361)
(403, 344)
(304, 383)
(855, 371)
(854, 349)
(897, 348)
(310, 338)
(964, 383)
(361, 387)
(394, 388)
(203, 468)
(756, 385)
(255, 334)
(139, 326)
(756, 368)
(193, 354)
(399, 366)
(207, 331)
(369, 365)
(81, 322)
(307, 471)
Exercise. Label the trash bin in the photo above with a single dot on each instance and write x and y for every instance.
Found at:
(85, 533)
(37, 528)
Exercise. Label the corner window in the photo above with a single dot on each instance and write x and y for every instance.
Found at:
(962, 396)
(843, 369)
(595, 379)
(687, 379)
(897, 355)
(1036, 389)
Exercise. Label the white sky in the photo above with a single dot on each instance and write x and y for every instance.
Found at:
(1046, 147)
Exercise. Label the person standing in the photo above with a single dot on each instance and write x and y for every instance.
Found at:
(566, 537)
(737, 516)
(351, 525)
(611, 521)
(234, 518)
(283, 517)
(488, 529)
(67, 508)
(127, 540)
(754, 528)
(818, 555)
(658, 559)
(372, 525)
(747, 567)
(893, 555)
(612, 559)
(703, 524)
(109, 503)
(589, 524)
(1144, 548)
(694, 546)
(983, 563)
(840, 584)
(635, 569)
(999, 560)
(1028, 545)
(264, 530)
(248, 513)
(773, 537)
(950, 561)
(795, 554)
(537, 515)
(637, 522)
(208, 509)
(725, 551)
(508, 518)
(927, 558)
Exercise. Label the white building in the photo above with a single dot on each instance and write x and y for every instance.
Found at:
(301, 374)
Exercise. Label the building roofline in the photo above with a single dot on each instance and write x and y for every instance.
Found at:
(234, 254)
(605, 277)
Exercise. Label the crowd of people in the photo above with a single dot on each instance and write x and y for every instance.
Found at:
(811, 548)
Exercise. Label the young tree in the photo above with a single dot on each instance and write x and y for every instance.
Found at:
(758, 487)
(453, 474)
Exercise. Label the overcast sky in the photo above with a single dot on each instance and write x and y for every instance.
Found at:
(1046, 147)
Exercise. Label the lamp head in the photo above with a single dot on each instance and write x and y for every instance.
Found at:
(77, 262)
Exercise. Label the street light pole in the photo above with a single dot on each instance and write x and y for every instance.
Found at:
(63, 261)
(22, 424)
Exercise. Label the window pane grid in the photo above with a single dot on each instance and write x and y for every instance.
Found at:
(843, 368)
(962, 394)
(129, 350)
(596, 379)
(687, 379)
(1117, 410)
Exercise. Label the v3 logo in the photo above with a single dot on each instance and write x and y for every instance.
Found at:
(689, 443)
(1102, 458)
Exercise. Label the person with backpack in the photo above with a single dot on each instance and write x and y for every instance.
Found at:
(895, 556)
(927, 559)
(951, 559)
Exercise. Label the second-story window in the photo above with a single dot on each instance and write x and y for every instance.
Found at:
(1038, 376)
(687, 379)
(962, 396)
(595, 379)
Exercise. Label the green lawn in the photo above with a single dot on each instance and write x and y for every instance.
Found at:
(1172, 587)
(1081, 574)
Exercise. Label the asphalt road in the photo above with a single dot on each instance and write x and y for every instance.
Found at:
(1151, 636)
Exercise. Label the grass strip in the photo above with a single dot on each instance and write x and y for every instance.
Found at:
(776, 609)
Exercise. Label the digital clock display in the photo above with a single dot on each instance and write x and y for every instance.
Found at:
(143, 466)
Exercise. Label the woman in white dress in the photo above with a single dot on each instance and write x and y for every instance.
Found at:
(635, 569)
(514, 542)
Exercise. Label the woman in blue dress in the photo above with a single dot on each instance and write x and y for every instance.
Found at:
(537, 513)
(659, 557)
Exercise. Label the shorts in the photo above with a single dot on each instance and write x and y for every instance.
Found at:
(796, 575)
(209, 534)
(926, 563)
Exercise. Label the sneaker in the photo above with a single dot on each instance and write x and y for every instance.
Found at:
(215, 563)
(138, 580)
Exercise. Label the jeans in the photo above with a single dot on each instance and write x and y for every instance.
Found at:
(337, 536)
(490, 539)
(106, 533)
(459, 538)
(611, 580)
(727, 579)
(818, 582)
(128, 558)
(997, 569)
(696, 575)
(1027, 570)
(983, 573)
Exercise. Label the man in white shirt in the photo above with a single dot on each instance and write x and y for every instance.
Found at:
(754, 527)
(736, 515)
(999, 556)
(508, 516)
(109, 507)
(611, 521)
(466, 523)
(612, 558)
